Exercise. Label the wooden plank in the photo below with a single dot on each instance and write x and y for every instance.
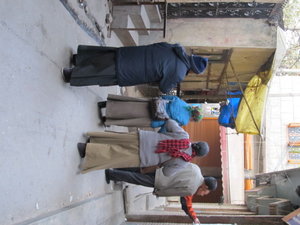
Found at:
(231, 219)
(208, 96)
(227, 59)
(202, 211)
(208, 75)
(291, 215)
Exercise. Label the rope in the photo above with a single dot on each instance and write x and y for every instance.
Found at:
(231, 96)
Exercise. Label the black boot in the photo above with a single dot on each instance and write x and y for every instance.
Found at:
(107, 178)
(102, 104)
(73, 59)
(67, 73)
(81, 149)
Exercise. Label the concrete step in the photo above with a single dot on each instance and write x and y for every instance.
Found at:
(140, 199)
(145, 39)
(138, 15)
(251, 202)
(266, 191)
(127, 37)
(263, 201)
(273, 206)
(269, 190)
(153, 13)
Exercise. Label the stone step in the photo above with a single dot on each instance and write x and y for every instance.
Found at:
(252, 203)
(273, 206)
(127, 37)
(138, 15)
(140, 199)
(269, 190)
(145, 39)
(265, 191)
(153, 13)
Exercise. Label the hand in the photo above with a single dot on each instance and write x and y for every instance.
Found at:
(196, 222)
(149, 169)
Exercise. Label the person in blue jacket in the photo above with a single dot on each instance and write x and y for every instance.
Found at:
(163, 63)
(135, 112)
(180, 111)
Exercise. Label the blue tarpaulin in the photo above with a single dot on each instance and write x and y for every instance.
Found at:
(228, 112)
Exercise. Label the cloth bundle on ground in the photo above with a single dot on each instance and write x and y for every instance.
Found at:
(158, 108)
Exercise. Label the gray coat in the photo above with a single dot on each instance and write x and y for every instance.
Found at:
(185, 182)
(148, 141)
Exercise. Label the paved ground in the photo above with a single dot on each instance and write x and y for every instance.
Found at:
(42, 119)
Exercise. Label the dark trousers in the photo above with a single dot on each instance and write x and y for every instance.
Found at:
(95, 65)
(132, 176)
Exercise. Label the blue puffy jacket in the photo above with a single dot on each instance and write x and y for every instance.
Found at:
(162, 62)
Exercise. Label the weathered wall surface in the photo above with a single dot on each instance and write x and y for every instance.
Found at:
(197, 1)
(217, 33)
(282, 108)
(236, 166)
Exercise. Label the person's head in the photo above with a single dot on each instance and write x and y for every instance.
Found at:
(196, 113)
(198, 64)
(201, 148)
(209, 184)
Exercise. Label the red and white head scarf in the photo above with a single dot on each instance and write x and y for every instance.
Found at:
(174, 148)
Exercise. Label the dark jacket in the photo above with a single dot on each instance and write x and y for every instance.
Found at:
(165, 63)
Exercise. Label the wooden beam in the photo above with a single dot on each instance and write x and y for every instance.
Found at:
(178, 90)
(200, 81)
(223, 97)
(231, 219)
(227, 59)
(208, 75)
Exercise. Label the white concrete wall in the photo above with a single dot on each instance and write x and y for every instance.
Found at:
(282, 108)
(217, 33)
(43, 118)
(236, 166)
(189, 1)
